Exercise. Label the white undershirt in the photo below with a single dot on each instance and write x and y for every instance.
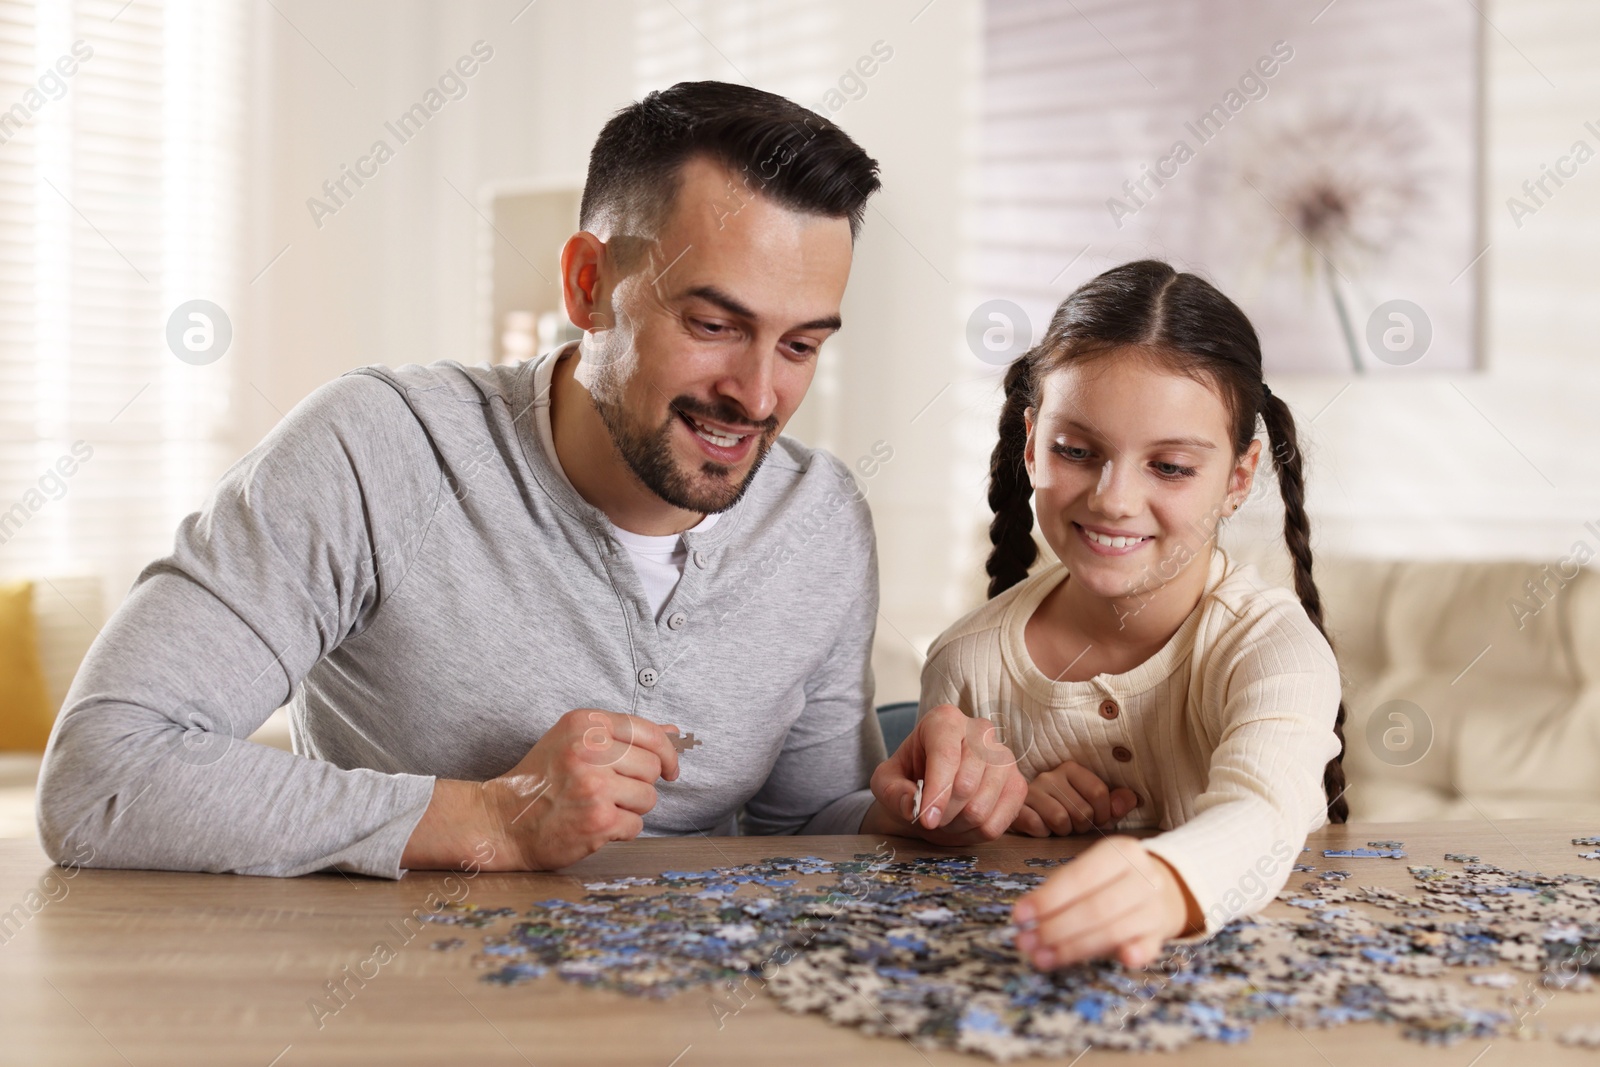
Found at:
(659, 561)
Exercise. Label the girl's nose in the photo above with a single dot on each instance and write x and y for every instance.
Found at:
(1115, 494)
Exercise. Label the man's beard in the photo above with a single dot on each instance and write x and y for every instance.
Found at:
(648, 453)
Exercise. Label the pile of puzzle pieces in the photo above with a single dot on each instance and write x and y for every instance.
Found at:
(921, 949)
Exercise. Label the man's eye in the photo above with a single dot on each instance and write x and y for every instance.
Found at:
(800, 348)
(709, 327)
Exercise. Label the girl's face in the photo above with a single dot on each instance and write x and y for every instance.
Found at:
(1132, 466)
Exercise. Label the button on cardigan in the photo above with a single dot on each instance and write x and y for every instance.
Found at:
(1223, 733)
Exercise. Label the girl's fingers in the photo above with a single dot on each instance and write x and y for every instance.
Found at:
(1094, 939)
(1051, 811)
(1028, 822)
(1123, 800)
(1140, 952)
(1080, 815)
(1088, 785)
(1096, 867)
(1095, 911)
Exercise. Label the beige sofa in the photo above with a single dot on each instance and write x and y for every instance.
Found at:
(1498, 661)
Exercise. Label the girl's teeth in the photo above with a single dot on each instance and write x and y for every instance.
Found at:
(1113, 542)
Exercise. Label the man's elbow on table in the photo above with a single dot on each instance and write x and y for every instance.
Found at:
(84, 790)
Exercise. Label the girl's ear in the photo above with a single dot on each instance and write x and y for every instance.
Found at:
(1244, 476)
(1027, 448)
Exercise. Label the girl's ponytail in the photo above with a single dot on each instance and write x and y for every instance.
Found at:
(1285, 448)
(1011, 531)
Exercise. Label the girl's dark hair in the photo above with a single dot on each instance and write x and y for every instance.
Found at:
(1183, 321)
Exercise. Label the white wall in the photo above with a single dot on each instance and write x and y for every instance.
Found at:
(1498, 463)
(1444, 465)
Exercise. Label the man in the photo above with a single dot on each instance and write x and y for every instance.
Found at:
(499, 600)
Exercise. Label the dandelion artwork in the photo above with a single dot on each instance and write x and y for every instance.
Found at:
(1258, 146)
(1345, 188)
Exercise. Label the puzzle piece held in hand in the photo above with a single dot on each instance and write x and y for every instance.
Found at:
(682, 743)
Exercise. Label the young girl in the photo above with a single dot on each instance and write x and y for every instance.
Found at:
(1147, 681)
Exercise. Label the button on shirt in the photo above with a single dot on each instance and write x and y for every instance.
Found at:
(1223, 733)
(401, 562)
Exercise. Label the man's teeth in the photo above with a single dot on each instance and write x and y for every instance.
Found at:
(1113, 542)
(721, 440)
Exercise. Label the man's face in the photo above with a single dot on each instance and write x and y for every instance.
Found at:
(713, 336)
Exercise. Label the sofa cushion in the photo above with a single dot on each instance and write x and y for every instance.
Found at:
(1494, 660)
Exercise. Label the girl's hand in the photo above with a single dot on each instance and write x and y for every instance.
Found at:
(971, 786)
(1116, 899)
(1071, 800)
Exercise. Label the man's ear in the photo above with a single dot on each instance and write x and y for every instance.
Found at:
(1027, 449)
(587, 304)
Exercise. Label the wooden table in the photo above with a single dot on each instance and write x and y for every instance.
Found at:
(144, 967)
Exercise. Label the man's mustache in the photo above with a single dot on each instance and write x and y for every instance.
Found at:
(724, 414)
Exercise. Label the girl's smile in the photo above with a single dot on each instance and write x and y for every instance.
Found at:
(1111, 542)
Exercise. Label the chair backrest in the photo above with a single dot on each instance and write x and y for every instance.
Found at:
(897, 722)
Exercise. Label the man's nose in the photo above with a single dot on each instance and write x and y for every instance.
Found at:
(749, 383)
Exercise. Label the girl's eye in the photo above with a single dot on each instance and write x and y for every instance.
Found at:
(1174, 470)
(1070, 452)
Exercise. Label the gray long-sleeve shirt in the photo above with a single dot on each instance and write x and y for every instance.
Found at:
(403, 563)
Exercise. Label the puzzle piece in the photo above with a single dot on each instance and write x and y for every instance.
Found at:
(1363, 853)
(684, 742)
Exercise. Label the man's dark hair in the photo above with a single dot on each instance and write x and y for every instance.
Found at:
(773, 147)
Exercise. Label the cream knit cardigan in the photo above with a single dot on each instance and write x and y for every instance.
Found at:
(1223, 733)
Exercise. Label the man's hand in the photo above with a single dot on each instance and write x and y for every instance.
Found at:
(1116, 899)
(1071, 800)
(589, 780)
(971, 786)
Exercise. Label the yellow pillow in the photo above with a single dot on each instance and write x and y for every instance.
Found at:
(26, 714)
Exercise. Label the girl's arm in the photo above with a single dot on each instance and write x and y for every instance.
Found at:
(1274, 721)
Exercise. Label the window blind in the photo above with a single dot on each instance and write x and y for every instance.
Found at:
(120, 166)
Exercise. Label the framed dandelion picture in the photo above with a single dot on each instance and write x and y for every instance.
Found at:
(1312, 159)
